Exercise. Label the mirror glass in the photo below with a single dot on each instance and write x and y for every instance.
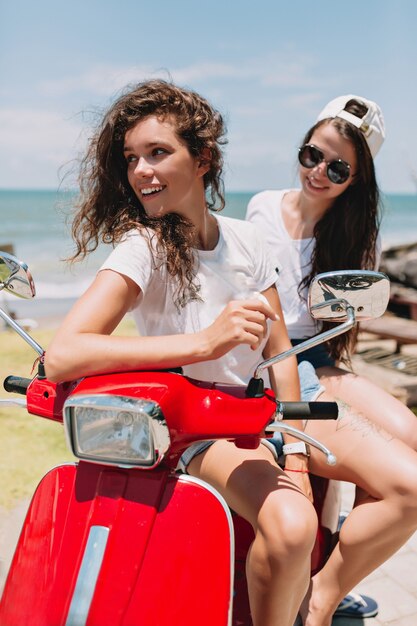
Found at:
(15, 276)
(367, 292)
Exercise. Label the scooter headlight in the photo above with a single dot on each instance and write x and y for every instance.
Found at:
(116, 430)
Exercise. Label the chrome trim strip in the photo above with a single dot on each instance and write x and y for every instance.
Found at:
(87, 576)
(192, 479)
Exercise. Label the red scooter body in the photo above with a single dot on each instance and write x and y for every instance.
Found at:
(124, 539)
(104, 545)
(167, 551)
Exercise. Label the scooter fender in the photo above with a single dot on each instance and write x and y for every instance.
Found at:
(103, 546)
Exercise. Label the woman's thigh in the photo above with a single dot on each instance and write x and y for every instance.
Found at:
(373, 401)
(249, 480)
(367, 455)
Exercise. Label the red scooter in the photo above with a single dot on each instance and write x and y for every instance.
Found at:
(122, 538)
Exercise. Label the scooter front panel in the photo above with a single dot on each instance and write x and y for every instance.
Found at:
(68, 503)
(190, 559)
(108, 547)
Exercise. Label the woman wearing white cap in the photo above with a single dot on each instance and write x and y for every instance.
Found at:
(332, 223)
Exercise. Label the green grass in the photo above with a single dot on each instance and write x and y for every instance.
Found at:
(29, 445)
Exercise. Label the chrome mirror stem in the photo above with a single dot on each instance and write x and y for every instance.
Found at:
(33, 344)
(310, 343)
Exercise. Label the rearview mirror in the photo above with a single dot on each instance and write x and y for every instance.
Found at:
(331, 293)
(15, 276)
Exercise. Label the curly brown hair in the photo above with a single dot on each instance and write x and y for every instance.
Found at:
(346, 235)
(107, 207)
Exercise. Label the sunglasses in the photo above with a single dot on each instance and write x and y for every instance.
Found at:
(338, 171)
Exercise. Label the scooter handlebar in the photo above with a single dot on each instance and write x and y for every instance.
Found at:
(16, 384)
(308, 410)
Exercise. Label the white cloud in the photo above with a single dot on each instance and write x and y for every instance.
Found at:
(34, 145)
(103, 80)
(268, 101)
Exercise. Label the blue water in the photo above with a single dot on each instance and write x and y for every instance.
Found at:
(35, 222)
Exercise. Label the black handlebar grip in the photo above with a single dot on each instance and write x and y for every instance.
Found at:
(17, 384)
(308, 410)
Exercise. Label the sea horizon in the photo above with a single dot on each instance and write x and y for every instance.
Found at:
(74, 191)
(36, 222)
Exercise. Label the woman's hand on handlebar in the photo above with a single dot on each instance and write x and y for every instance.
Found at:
(240, 322)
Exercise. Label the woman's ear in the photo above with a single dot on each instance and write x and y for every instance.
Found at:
(204, 161)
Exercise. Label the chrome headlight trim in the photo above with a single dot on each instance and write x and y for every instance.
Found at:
(116, 430)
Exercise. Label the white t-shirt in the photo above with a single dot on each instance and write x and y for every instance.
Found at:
(292, 258)
(238, 268)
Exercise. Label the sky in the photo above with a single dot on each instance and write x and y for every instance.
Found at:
(269, 66)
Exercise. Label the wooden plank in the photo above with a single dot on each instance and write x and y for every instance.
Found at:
(403, 331)
(7, 247)
(399, 384)
(405, 298)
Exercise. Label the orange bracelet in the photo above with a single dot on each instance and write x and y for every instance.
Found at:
(287, 469)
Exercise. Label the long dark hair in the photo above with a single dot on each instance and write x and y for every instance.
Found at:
(346, 235)
(107, 206)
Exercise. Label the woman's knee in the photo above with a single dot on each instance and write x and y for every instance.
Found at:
(288, 530)
(406, 488)
(399, 489)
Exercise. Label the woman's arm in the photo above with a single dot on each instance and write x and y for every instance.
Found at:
(84, 344)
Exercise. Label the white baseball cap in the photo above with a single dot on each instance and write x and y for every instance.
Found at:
(371, 124)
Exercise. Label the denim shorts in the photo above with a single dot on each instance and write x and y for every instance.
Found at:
(317, 356)
(310, 390)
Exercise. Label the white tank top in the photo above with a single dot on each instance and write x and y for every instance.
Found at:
(291, 258)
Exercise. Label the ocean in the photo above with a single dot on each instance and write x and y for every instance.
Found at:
(36, 224)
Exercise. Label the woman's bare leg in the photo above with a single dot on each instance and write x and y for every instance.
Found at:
(283, 519)
(385, 469)
(383, 409)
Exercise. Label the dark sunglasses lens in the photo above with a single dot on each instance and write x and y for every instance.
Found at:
(338, 172)
(309, 156)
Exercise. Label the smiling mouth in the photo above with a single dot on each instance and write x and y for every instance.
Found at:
(314, 184)
(146, 192)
